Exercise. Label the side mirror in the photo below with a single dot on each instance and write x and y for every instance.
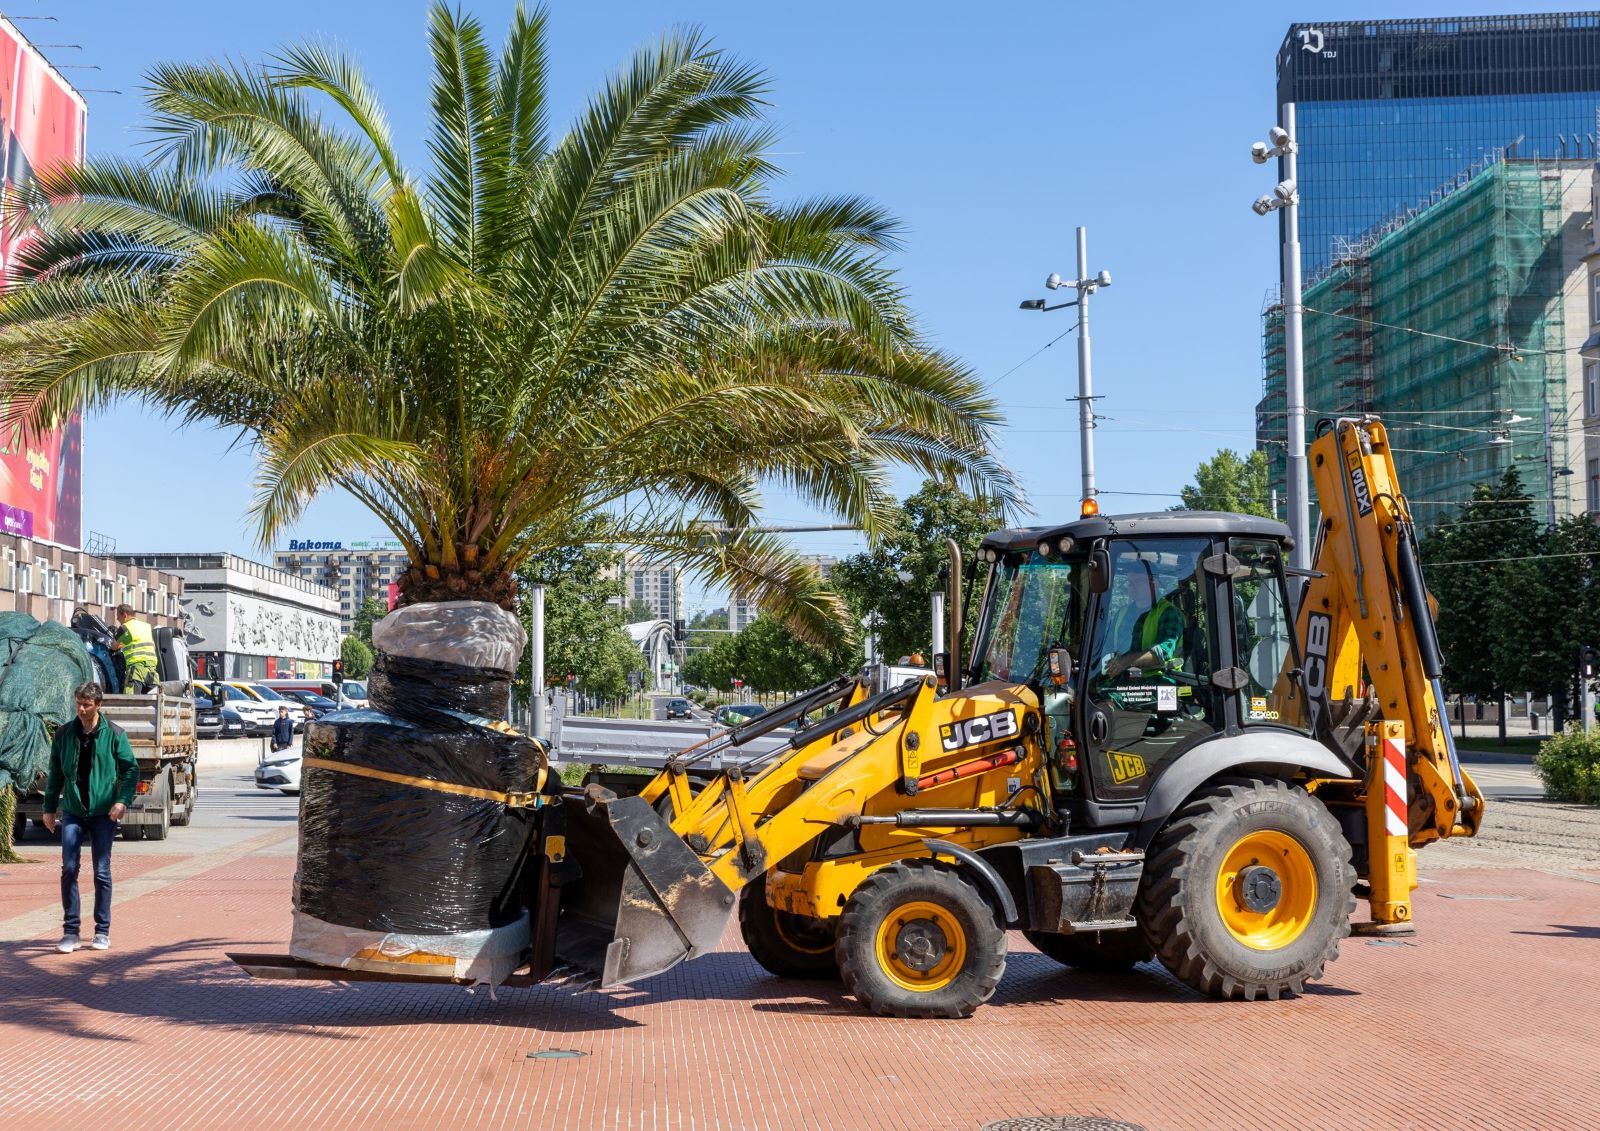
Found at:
(1099, 570)
(1058, 666)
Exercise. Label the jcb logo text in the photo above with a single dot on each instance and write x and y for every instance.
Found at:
(975, 732)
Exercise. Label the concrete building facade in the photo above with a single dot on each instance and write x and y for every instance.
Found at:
(247, 620)
(743, 611)
(655, 583)
(355, 570)
(48, 582)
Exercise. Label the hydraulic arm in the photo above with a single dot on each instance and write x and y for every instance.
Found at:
(1372, 665)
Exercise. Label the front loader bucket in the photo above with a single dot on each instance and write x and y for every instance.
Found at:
(643, 901)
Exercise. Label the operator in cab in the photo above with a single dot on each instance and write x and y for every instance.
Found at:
(136, 643)
(1149, 628)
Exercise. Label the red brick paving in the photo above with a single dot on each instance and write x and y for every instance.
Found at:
(1485, 1020)
(30, 887)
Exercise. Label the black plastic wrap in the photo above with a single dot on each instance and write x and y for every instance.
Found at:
(417, 689)
(384, 856)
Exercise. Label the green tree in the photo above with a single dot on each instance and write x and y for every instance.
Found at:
(493, 351)
(894, 581)
(357, 657)
(1545, 609)
(768, 657)
(712, 620)
(583, 633)
(372, 610)
(640, 611)
(1463, 561)
(1230, 482)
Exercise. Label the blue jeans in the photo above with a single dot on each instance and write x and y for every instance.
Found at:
(101, 832)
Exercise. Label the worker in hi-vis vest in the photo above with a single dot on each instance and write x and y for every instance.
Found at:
(136, 641)
(1148, 632)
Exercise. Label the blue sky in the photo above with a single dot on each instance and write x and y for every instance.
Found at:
(992, 131)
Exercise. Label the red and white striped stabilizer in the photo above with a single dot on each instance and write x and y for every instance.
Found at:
(1394, 787)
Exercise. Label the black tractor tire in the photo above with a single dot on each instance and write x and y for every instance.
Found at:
(916, 939)
(1099, 951)
(1181, 910)
(785, 944)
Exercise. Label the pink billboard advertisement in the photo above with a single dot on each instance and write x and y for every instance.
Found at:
(42, 123)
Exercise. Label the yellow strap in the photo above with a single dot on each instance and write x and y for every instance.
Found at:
(529, 800)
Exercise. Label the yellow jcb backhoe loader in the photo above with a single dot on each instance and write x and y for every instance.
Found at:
(1146, 753)
(1164, 742)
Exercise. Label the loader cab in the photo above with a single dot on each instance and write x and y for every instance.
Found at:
(1178, 627)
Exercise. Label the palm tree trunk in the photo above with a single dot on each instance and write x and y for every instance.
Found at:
(461, 580)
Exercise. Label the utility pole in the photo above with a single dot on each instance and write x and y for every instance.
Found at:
(1294, 358)
(1085, 370)
(536, 720)
(1286, 196)
(1085, 286)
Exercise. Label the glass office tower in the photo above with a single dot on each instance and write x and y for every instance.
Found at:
(1392, 113)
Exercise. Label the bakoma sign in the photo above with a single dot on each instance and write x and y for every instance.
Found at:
(308, 545)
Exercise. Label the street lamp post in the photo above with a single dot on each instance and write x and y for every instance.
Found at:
(1085, 286)
(1280, 143)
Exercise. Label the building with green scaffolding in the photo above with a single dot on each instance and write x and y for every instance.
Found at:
(1460, 324)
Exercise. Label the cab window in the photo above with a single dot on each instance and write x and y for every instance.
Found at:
(1034, 603)
(1264, 636)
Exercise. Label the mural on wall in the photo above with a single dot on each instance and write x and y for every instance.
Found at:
(249, 626)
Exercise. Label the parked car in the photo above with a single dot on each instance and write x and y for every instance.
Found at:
(315, 705)
(354, 694)
(679, 709)
(214, 722)
(297, 710)
(738, 713)
(256, 713)
(281, 772)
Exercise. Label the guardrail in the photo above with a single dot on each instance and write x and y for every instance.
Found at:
(647, 743)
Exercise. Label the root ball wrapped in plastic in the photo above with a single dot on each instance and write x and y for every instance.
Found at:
(418, 814)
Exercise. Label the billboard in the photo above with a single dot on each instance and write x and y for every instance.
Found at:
(42, 124)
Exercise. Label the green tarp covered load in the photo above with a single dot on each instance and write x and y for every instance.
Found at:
(41, 664)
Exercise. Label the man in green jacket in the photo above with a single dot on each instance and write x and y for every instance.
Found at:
(92, 778)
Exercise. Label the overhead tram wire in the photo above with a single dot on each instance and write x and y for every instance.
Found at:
(996, 382)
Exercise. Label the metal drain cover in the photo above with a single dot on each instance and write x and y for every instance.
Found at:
(556, 1054)
(1062, 1123)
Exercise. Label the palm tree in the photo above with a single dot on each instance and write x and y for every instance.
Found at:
(618, 329)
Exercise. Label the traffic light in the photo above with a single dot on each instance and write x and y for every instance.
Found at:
(738, 681)
(680, 632)
(338, 672)
(1590, 659)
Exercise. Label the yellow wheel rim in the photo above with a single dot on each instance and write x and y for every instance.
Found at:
(1267, 889)
(802, 934)
(921, 946)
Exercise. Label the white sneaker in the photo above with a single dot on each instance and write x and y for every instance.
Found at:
(68, 944)
(102, 941)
